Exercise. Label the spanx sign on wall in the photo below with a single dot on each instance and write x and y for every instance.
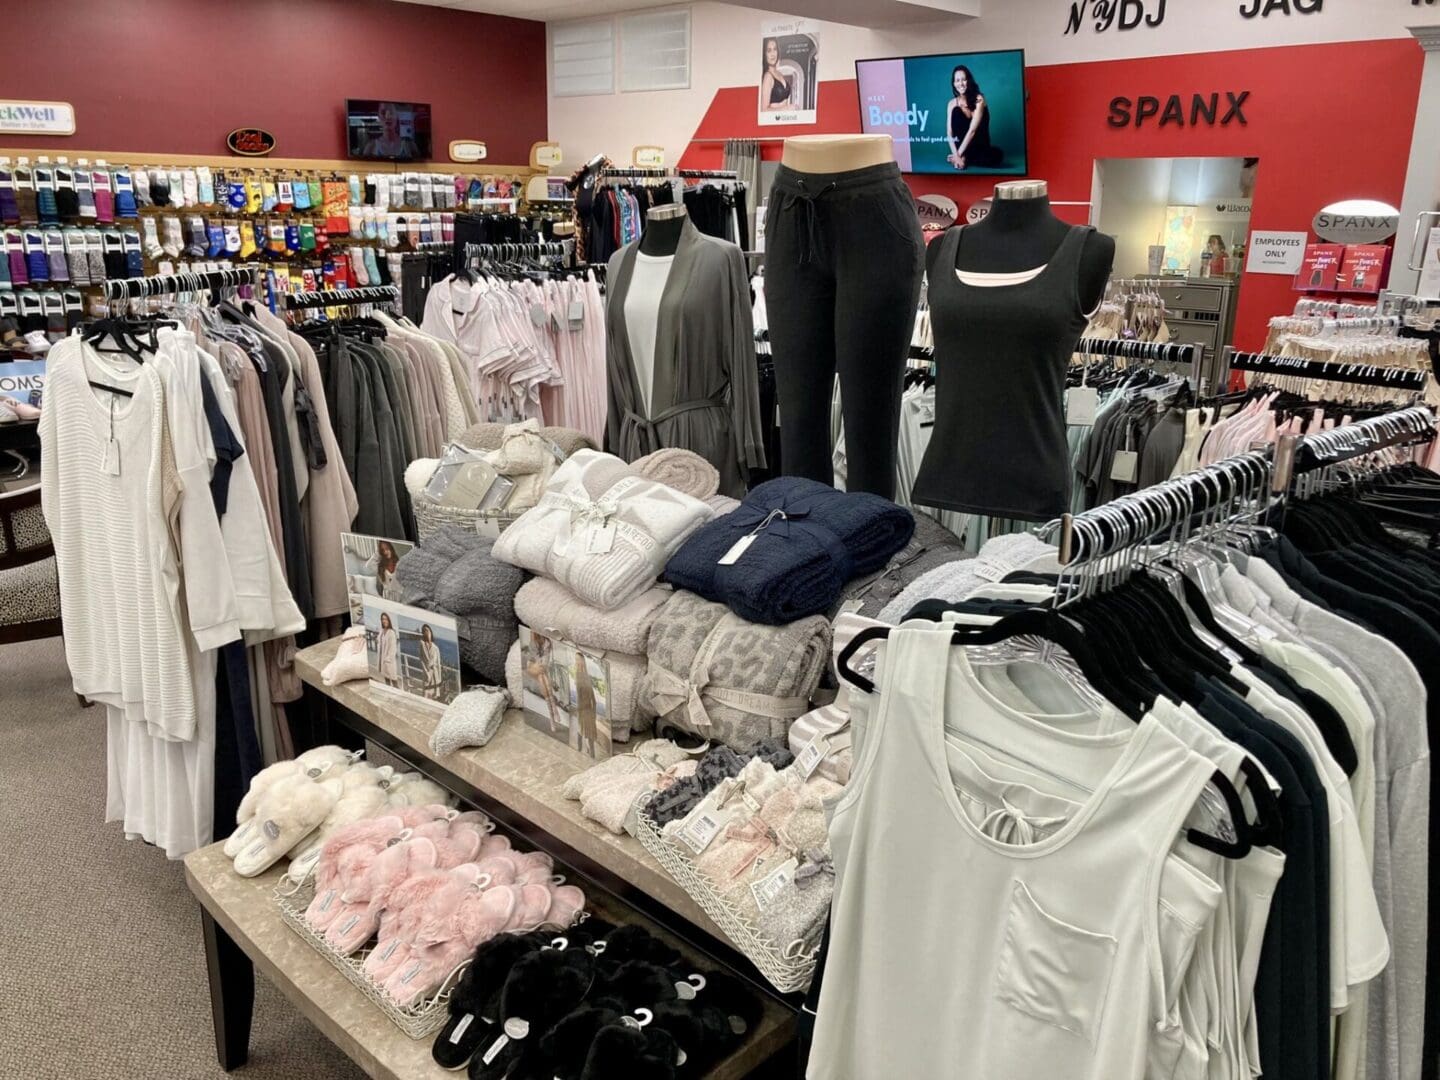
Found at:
(1137, 14)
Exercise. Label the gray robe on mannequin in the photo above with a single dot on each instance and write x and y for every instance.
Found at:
(705, 395)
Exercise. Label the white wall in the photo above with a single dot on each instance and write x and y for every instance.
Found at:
(725, 40)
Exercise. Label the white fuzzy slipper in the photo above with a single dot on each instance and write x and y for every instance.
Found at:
(291, 810)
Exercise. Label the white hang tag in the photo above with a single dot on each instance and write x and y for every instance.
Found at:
(537, 315)
(460, 1029)
(110, 458)
(330, 899)
(576, 314)
(1081, 404)
(488, 527)
(684, 991)
(601, 539)
(731, 557)
(1126, 466)
(495, 1048)
(769, 888)
(698, 834)
(849, 607)
(816, 750)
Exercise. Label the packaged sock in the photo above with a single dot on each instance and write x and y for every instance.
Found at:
(74, 309)
(5, 296)
(140, 181)
(292, 238)
(46, 208)
(372, 267)
(237, 196)
(369, 228)
(160, 187)
(322, 237)
(232, 238)
(382, 191)
(300, 191)
(254, 196)
(356, 217)
(447, 227)
(412, 189)
(77, 256)
(328, 274)
(315, 192)
(153, 250)
(52, 304)
(15, 255)
(307, 236)
(275, 239)
(67, 200)
(198, 238)
(284, 196)
(204, 186)
(95, 250)
(247, 240)
(134, 261)
(355, 193)
(36, 264)
(25, 196)
(9, 210)
(125, 206)
(173, 239)
(357, 266)
(399, 230)
(427, 230)
(177, 189)
(55, 255)
(85, 194)
(269, 196)
(218, 235)
(190, 186)
(114, 249)
(104, 196)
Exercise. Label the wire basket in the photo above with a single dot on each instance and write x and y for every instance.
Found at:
(417, 1021)
(788, 974)
(431, 517)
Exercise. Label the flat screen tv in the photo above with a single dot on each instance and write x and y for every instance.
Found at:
(387, 130)
(954, 114)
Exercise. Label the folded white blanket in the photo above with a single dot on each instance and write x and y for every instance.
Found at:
(602, 530)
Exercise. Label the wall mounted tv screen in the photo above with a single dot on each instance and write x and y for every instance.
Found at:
(387, 130)
(954, 114)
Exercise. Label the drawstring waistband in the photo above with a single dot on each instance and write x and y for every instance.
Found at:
(810, 242)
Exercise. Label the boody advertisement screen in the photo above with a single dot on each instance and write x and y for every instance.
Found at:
(955, 113)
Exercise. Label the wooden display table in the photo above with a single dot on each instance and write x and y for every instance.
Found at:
(516, 779)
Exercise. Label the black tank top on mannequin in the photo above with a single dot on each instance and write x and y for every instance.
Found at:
(999, 444)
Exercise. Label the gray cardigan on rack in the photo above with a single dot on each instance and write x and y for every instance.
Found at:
(706, 395)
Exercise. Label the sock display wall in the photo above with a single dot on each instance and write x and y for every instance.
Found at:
(69, 225)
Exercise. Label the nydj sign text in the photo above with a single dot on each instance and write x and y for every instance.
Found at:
(1125, 112)
(1122, 14)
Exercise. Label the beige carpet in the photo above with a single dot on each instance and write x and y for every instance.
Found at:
(99, 936)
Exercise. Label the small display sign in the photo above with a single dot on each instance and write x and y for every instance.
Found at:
(250, 142)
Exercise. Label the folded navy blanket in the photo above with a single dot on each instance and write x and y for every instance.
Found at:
(808, 541)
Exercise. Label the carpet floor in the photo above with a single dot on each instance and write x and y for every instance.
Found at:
(100, 934)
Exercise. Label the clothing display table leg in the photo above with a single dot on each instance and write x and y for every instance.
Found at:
(232, 993)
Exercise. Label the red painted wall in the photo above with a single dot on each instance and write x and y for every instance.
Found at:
(175, 76)
(1328, 122)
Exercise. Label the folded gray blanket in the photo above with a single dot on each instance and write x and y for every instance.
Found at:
(487, 436)
(931, 546)
(713, 674)
(455, 573)
(546, 605)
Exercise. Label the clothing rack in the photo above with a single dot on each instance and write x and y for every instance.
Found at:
(1150, 351)
(1132, 519)
(552, 249)
(1355, 374)
(162, 284)
(1404, 427)
(366, 294)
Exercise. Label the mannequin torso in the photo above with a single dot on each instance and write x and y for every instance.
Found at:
(836, 153)
(1023, 234)
(662, 231)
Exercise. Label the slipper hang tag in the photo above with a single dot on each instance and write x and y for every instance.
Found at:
(814, 753)
(770, 888)
(460, 1028)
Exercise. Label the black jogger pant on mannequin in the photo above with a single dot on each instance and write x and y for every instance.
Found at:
(843, 263)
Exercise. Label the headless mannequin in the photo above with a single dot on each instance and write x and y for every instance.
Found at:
(836, 153)
(1021, 233)
(663, 226)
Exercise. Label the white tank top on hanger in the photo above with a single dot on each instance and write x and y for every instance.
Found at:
(954, 954)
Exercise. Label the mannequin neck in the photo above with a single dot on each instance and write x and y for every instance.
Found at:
(1018, 215)
(662, 235)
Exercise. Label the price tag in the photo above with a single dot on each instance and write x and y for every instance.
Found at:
(488, 527)
(1126, 466)
(698, 834)
(110, 459)
(1081, 404)
(537, 315)
(769, 888)
(601, 539)
(576, 314)
(731, 557)
(815, 752)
